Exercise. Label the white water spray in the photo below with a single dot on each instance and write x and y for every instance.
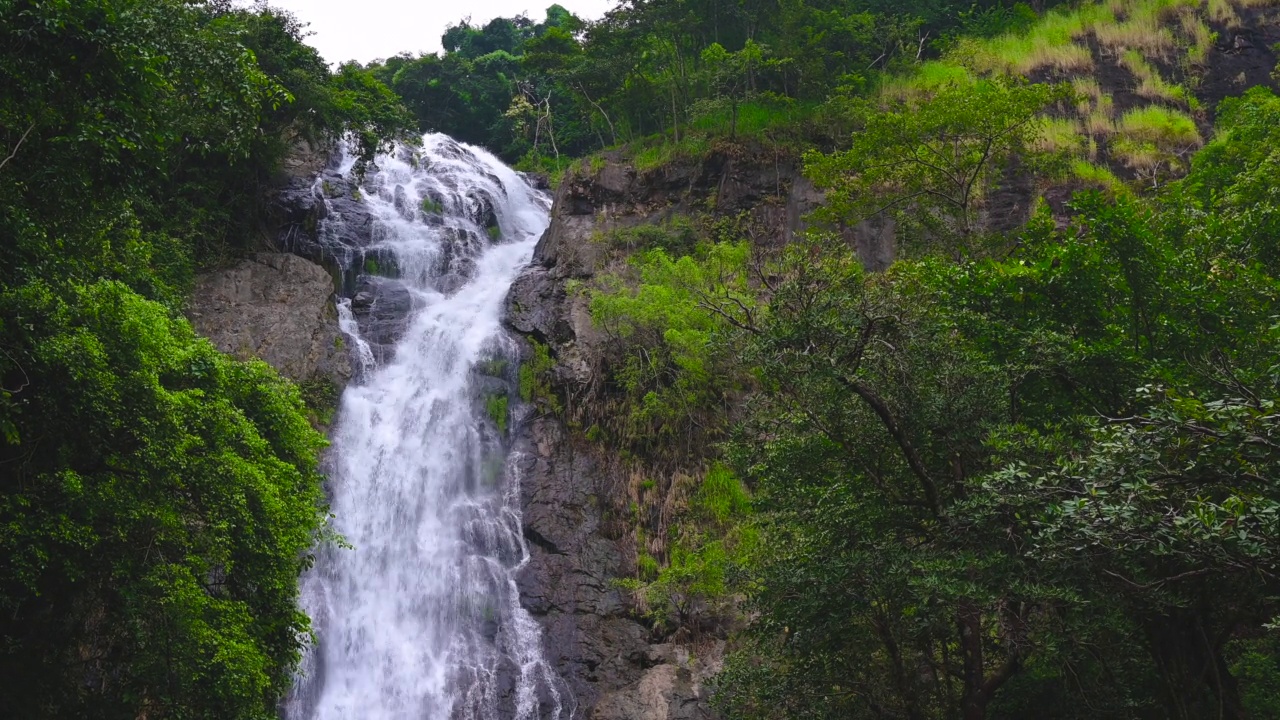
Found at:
(421, 620)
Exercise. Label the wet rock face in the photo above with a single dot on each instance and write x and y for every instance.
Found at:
(381, 307)
(277, 307)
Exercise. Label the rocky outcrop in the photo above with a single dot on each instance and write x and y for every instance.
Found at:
(277, 307)
(572, 487)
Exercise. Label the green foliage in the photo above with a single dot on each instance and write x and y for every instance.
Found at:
(158, 500)
(666, 70)
(1065, 452)
(928, 165)
(496, 407)
(535, 381)
(691, 591)
(158, 533)
(676, 237)
(664, 324)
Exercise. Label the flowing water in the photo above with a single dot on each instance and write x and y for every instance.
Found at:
(420, 619)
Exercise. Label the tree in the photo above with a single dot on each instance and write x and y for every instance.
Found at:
(929, 165)
(159, 502)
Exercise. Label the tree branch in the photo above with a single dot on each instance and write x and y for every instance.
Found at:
(19, 145)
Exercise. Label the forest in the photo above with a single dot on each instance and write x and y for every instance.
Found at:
(1029, 469)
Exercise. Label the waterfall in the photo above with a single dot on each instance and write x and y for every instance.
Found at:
(420, 618)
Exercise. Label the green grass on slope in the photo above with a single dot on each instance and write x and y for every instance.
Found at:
(1161, 45)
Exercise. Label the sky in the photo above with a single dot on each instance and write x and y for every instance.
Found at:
(366, 30)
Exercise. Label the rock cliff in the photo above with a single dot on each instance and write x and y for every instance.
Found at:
(574, 488)
(277, 307)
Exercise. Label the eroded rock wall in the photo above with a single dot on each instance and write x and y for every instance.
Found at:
(572, 487)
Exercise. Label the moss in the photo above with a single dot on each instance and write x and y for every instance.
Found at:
(370, 266)
(492, 368)
(494, 231)
(431, 206)
(496, 406)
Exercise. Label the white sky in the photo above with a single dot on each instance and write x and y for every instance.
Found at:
(365, 30)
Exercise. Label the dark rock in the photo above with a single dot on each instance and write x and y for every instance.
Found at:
(381, 307)
(400, 199)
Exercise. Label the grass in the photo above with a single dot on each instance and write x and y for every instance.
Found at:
(1152, 85)
(722, 495)
(1099, 124)
(1141, 32)
(755, 118)
(1155, 139)
(1061, 135)
(653, 155)
(1224, 13)
(1022, 55)
(1091, 96)
(1097, 176)
(1198, 34)
(1165, 127)
(1142, 157)
(928, 77)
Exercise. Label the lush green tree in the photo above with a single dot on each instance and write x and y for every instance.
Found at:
(929, 165)
(159, 501)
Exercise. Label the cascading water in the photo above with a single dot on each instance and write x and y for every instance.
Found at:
(421, 618)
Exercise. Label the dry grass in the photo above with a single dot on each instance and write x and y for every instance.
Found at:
(1091, 99)
(1151, 85)
(1198, 34)
(1223, 12)
(1142, 32)
(1099, 124)
(1141, 157)
(1021, 55)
